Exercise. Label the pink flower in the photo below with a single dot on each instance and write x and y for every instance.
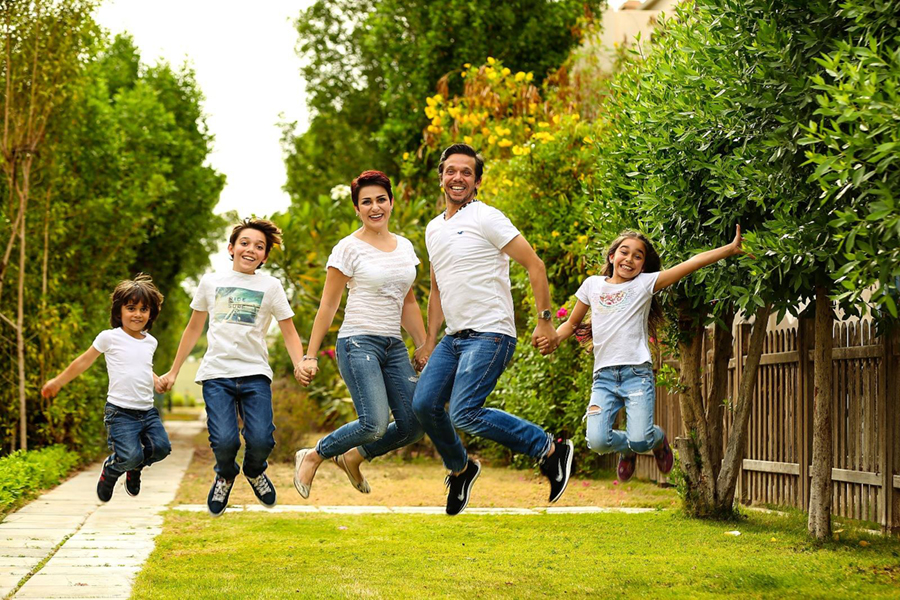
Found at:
(329, 353)
(652, 340)
(562, 312)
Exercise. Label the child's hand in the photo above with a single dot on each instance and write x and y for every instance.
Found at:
(167, 381)
(50, 389)
(305, 371)
(736, 244)
(544, 331)
(157, 384)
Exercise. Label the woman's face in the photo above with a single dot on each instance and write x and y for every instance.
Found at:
(374, 207)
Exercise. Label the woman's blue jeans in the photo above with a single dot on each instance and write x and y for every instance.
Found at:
(633, 388)
(381, 380)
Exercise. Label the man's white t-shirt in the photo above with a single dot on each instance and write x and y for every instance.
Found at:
(471, 271)
(240, 308)
(379, 282)
(129, 363)
(619, 314)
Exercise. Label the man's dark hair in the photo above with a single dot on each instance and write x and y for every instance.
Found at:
(139, 290)
(266, 227)
(462, 149)
(370, 178)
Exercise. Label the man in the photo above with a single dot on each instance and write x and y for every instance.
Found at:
(469, 246)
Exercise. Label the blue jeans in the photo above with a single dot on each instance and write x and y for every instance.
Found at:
(136, 438)
(632, 387)
(463, 370)
(251, 398)
(381, 381)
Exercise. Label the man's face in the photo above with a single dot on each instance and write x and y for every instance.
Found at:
(458, 179)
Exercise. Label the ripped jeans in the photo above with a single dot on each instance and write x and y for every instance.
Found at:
(381, 381)
(632, 387)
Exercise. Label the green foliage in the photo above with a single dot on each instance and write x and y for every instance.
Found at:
(23, 474)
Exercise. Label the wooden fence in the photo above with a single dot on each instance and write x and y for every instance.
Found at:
(866, 421)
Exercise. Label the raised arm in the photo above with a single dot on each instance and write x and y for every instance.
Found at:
(292, 343)
(676, 273)
(189, 338)
(75, 368)
(521, 251)
(335, 282)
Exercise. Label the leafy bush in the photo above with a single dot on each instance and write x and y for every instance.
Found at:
(24, 473)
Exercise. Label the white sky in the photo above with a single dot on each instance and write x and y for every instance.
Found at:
(246, 67)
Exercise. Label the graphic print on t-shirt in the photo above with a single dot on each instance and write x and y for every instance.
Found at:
(237, 305)
(610, 302)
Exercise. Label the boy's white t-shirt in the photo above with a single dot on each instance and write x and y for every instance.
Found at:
(619, 315)
(240, 308)
(129, 363)
(379, 282)
(472, 272)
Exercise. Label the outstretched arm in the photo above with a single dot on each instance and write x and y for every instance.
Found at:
(75, 368)
(521, 251)
(292, 343)
(189, 338)
(676, 273)
(567, 329)
(335, 282)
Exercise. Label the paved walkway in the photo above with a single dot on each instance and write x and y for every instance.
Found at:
(77, 547)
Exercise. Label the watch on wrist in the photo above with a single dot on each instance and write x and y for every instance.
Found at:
(544, 314)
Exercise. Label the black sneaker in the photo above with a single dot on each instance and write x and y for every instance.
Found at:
(133, 482)
(105, 485)
(460, 486)
(217, 501)
(558, 467)
(264, 490)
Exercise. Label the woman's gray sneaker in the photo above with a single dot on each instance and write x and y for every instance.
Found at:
(217, 501)
(264, 490)
(459, 487)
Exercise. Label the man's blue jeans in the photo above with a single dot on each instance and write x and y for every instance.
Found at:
(463, 370)
(633, 388)
(136, 438)
(251, 399)
(381, 381)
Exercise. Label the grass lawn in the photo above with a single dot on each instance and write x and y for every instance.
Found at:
(660, 554)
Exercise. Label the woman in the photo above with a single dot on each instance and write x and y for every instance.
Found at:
(378, 267)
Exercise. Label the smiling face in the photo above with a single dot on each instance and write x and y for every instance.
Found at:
(627, 260)
(135, 316)
(374, 207)
(458, 179)
(248, 250)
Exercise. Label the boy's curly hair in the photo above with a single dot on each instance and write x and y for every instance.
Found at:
(270, 230)
(139, 290)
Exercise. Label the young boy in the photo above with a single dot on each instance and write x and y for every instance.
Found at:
(235, 371)
(135, 433)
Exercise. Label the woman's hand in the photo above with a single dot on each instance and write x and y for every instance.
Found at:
(422, 354)
(305, 371)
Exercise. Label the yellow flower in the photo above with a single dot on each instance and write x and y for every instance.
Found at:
(507, 182)
(467, 139)
(505, 143)
(491, 60)
(529, 77)
(406, 156)
(492, 140)
(467, 65)
(492, 76)
(505, 72)
(544, 124)
(588, 139)
(582, 239)
(554, 233)
(437, 120)
(576, 116)
(485, 131)
(430, 112)
(520, 76)
(556, 119)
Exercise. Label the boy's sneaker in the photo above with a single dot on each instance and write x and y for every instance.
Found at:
(133, 482)
(460, 486)
(665, 460)
(558, 467)
(105, 485)
(264, 490)
(217, 501)
(627, 465)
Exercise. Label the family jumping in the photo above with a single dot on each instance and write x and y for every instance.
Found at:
(469, 247)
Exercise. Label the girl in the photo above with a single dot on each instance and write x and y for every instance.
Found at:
(379, 268)
(622, 306)
(135, 433)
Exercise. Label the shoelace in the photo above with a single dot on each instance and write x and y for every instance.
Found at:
(221, 490)
(261, 485)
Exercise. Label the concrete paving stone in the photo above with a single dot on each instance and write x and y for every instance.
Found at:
(10, 581)
(93, 571)
(22, 552)
(83, 579)
(16, 562)
(96, 562)
(73, 591)
(9, 543)
(6, 571)
(419, 510)
(500, 511)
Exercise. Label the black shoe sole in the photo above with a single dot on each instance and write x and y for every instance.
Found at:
(468, 490)
(571, 447)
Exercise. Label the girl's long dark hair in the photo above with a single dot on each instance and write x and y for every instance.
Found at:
(652, 264)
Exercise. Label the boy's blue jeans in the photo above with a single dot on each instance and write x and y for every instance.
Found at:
(381, 381)
(463, 370)
(251, 399)
(632, 387)
(136, 438)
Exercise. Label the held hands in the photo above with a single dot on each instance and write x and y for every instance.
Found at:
(305, 371)
(51, 388)
(545, 338)
(422, 354)
(165, 382)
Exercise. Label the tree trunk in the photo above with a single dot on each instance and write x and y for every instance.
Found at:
(20, 333)
(819, 524)
(723, 341)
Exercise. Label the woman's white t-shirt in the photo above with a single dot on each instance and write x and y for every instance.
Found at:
(379, 282)
(619, 314)
(129, 363)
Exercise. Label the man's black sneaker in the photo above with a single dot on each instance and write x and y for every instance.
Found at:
(264, 490)
(133, 482)
(558, 467)
(105, 485)
(460, 486)
(217, 501)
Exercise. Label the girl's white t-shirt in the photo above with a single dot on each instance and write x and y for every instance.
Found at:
(619, 315)
(379, 282)
(129, 363)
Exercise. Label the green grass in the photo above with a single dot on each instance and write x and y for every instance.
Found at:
(660, 554)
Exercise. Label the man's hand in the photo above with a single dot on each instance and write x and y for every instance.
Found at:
(545, 337)
(422, 354)
(305, 371)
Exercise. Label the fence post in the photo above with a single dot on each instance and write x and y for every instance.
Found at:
(805, 341)
(888, 429)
